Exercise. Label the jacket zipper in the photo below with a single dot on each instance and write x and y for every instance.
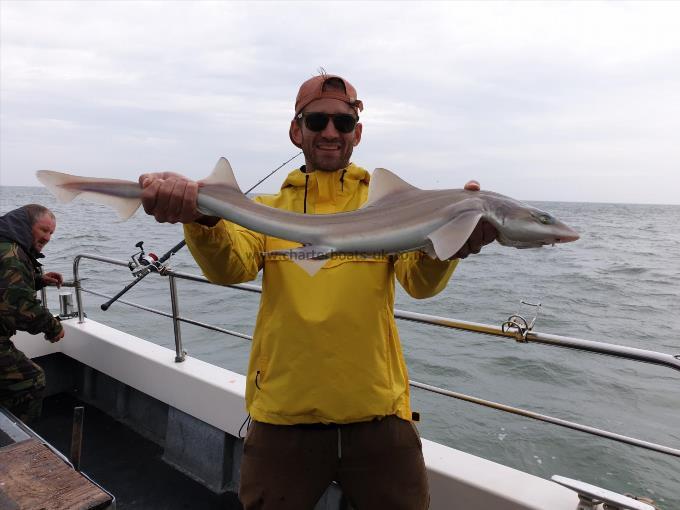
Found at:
(305, 202)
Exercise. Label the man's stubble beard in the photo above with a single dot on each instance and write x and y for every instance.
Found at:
(314, 164)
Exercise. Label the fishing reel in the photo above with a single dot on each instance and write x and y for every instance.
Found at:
(518, 324)
(142, 261)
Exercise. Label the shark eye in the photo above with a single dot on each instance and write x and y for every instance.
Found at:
(546, 219)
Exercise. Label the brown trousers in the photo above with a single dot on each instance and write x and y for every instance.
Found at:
(378, 464)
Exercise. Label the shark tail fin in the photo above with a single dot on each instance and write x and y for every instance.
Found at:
(222, 175)
(55, 181)
(66, 187)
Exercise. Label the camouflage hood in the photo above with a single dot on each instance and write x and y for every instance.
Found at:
(15, 226)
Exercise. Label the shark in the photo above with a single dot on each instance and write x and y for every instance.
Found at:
(397, 217)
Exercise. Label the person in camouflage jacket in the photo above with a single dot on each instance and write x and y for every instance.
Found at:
(23, 234)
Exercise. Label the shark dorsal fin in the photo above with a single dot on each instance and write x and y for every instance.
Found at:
(222, 175)
(384, 183)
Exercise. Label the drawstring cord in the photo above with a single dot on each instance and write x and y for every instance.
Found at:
(342, 185)
(342, 180)
(246, 424)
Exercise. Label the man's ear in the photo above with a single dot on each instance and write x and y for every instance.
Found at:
(295, 133)
(357, 133)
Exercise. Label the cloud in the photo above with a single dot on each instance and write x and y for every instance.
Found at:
(507, 92)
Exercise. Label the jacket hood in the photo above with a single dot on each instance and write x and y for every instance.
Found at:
(349, 173)
(15, 226)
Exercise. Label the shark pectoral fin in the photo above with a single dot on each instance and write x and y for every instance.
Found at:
(451, 237)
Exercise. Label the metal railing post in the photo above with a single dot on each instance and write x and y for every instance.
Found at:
(180, 354)
(76, 285)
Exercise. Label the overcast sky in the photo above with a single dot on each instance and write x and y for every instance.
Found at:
(574, 101)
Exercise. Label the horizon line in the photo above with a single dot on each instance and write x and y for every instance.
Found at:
(528, 200)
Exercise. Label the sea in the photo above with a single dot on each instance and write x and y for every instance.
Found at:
(620, 283)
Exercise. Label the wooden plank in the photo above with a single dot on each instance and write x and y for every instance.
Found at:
(33, 477)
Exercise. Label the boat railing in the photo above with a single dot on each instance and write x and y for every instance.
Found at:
(516, 328)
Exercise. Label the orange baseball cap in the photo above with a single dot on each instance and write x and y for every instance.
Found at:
(312, 89)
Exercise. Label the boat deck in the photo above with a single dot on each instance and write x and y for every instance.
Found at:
(125, 463)
(34, 476)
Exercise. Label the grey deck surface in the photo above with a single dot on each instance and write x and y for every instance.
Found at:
(125, 463)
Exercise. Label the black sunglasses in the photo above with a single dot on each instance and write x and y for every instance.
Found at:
(317, 121)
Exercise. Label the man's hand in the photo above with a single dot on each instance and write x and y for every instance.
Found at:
(483, 234)
(170, 197)
(53, 279)
(59, 336)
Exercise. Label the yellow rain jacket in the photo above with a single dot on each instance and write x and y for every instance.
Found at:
(326, 348)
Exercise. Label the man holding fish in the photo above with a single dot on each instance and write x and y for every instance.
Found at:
(327, 385)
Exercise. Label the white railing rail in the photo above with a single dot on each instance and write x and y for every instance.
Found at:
(517, 333)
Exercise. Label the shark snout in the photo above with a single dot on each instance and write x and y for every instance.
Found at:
(567, 235)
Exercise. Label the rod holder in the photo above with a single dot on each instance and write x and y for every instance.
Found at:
(66, 304)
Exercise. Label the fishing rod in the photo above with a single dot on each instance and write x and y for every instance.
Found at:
(142, 264)
(149, 263)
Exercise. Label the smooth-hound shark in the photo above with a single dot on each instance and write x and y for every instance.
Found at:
(397, 217)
